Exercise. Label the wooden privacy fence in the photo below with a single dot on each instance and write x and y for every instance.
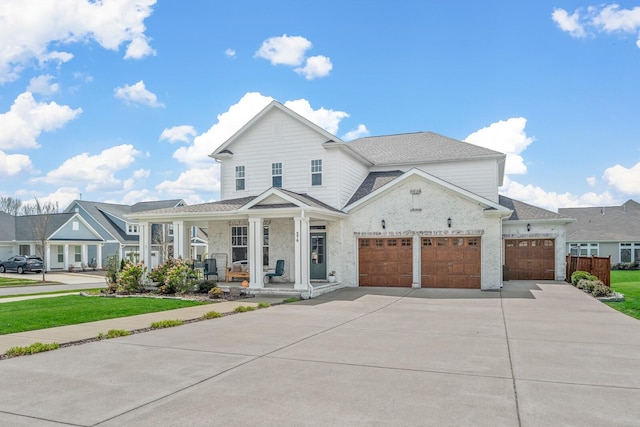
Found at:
(598, 266)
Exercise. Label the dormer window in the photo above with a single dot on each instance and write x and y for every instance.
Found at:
(240, 178)
(316, 172)
(276, 175)
(133, 229)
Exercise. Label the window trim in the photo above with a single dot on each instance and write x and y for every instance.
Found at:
(277, 172)
(584, 249)
(243, 240)
(316, 171)
(241, 177)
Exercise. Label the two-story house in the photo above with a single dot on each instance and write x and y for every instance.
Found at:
(412, 210)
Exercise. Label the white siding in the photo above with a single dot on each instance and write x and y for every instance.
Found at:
(351, 173)
(278, 138)
(478, 176)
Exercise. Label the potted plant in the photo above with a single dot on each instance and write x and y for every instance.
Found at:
(332, 276)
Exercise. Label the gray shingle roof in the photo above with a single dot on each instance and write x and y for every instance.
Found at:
(526, 212)
(308, 200)
(372, 182)
(27, 226)
(219, 206)
(604, 224)
(421, 147)
(7, 227)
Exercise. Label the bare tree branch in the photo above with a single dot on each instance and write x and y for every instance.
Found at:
(41, 215)
(10, 205)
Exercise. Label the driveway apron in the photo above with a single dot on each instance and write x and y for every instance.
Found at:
(532, 354)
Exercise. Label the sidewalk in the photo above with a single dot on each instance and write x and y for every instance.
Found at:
(72, 333)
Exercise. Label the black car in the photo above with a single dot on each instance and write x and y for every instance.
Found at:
(21, 264)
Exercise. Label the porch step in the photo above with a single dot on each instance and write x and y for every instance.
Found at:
(324, 288)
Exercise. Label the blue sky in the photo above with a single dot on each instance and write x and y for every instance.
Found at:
(122, 101)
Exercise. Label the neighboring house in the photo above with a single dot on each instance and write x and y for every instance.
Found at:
(605, 231)
(70, 240)
(410, 210)
(121, 235)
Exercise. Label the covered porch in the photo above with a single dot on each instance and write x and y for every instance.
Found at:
(248, 236)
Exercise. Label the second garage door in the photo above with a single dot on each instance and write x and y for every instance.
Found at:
(385, 262)
(530, 259)
(451, 262)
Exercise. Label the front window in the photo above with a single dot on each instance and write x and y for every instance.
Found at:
(584, 249)
(629, 252)
(77, 254)
(316, 172)
(276, 175)
(265, 246)
(133, 229)
(239, 243)
(240, 175)
(60, 253)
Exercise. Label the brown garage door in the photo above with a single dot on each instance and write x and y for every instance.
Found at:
(385, 262)
(530, 259)
(451, 262)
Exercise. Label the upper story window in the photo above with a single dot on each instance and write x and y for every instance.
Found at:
(169, 229)
(240, 178)
(316, 172)
(276, 175)
(133, 229)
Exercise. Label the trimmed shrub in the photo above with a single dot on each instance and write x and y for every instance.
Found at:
(600, 290)
(263, 304)
(215, 292)
(244, 308)
(579, 275)
(132, 278)
(113, 333)
(211, 315)
(34, 348)
(166, 324)
(204, 286)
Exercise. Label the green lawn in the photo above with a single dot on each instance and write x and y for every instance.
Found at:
(5, 281)
(45, 313)
(74, 291)
(627, 282)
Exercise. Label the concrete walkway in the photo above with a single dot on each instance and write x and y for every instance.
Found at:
(535, 354)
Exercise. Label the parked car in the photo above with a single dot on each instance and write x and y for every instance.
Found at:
(21, 263)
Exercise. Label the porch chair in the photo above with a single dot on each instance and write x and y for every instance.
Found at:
(210, 268)
(279, 270)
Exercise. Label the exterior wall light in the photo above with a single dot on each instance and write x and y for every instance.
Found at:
(449, 222)
(383, 224)
(528, 227)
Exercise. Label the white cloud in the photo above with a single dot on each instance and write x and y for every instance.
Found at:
(550, 200)
(193, 183)
(230, 53)
(27, 119)
(506, 136)
(326, 119)
(591, 181)
(287, 50)
(135, 196)
(13, 164)
(604, 18)
(135, 180)
(96, 172)
(569, 23)
(182, 133)
(316, 66)
(30, 28)
(229, 122)
(359, 132)
(42, 85)
(137, 94)
(625, 180)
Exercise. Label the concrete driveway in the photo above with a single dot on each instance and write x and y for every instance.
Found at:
(535, 354)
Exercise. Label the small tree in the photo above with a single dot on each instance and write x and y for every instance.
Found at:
(10, 205)
(40, 213)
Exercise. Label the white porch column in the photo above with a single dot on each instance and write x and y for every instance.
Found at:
(144, 244)
(256, 276)
(47, 257)
(301, 245)
(181, 240)
(99, 256)
(66, 256)
(85, 254)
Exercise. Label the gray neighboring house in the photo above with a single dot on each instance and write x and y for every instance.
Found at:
(605, 231)
(121, 235)
(70, 239)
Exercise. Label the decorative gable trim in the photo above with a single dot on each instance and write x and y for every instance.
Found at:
(491, 208)
(224, 150)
